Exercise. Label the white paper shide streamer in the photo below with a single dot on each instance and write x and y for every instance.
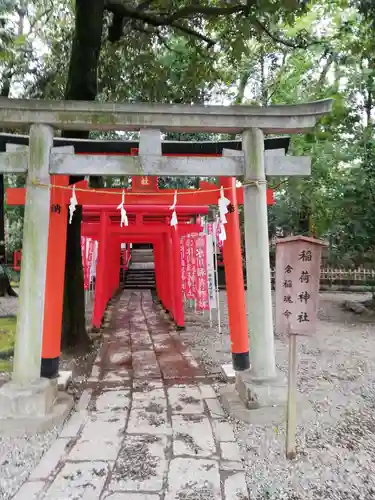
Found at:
(223, 210)
(174, 220)
(73, 204)
(124, 218)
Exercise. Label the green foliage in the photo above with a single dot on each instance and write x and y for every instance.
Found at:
(265, 52)
(7, 337)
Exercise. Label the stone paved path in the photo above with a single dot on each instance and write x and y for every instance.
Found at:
(148, 426)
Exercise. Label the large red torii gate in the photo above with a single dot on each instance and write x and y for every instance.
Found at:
(206, 195)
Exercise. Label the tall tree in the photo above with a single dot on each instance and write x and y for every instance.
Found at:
(150, 22)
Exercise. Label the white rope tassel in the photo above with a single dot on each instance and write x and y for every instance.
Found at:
(73, 204)
(174, 220)
(223, 206)
(124, 218)
(223, 233)
(223, 210)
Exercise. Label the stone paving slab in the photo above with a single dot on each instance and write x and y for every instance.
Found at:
(50, 459)
(79, 481)
(186, 400)
(192, 435)
(141, 464)
(102, 428)
(131, 496)
(235, 487)
(142, 421)
(113, 400)
(146, 427)
(85, 450)
(31, 490)
(190, 478)
(223, 431)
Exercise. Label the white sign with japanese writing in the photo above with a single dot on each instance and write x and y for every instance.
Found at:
(211, 272)
(297, 284)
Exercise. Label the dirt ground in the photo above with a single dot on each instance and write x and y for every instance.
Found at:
(336, 436)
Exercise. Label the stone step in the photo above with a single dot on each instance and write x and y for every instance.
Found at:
(142, 265)
(140, 279)
(140, 272)
(139, 287)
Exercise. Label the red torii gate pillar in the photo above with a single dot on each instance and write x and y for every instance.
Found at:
(235, 282)
(101, 295)
(178, 301)
(159, 278)
(55, 277)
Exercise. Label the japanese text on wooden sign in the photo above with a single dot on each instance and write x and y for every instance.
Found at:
(297, 284)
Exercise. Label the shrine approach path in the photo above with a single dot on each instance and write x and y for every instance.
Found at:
(147, 427)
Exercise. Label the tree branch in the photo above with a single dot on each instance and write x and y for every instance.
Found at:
(144, 5)
(120, 11)
(163, 41)
(196, 34)
(163, 19)
(276, 38)
(193, 10)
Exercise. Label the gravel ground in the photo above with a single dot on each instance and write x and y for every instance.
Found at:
(8, 306)
(19, 456)
(336, 439)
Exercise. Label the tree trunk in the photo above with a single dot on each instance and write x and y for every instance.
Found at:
(81, 86)
(5, 286)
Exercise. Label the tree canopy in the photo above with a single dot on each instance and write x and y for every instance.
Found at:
(186, 51)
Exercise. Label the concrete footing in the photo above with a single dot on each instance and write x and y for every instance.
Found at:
(254, 400)
(236, 408)
(259, 402)
(258, 393)
(32, 408)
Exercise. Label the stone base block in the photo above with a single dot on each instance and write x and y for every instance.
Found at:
(34, 399)
(65, 376)
(228, 372)
(32, 408)
(236, 408)
(258, 393)
(261, 415)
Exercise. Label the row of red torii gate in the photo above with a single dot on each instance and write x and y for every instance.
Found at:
(149, 214)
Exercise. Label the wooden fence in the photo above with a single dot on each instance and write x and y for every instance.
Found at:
(342, 278)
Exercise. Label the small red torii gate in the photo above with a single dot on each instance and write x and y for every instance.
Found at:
(102, 224)
(206, 195)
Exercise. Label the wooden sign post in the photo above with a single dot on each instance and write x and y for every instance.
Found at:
(297, 293)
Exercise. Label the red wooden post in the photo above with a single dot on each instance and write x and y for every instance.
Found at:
(116, 265)
(100, 285)
(112, 267)
(161, 266)
(167, 269)
(177, 284)
(158, 277)
(235, 282)
(109, 262)
(160, 252)
(54, 292)
(17, 258)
